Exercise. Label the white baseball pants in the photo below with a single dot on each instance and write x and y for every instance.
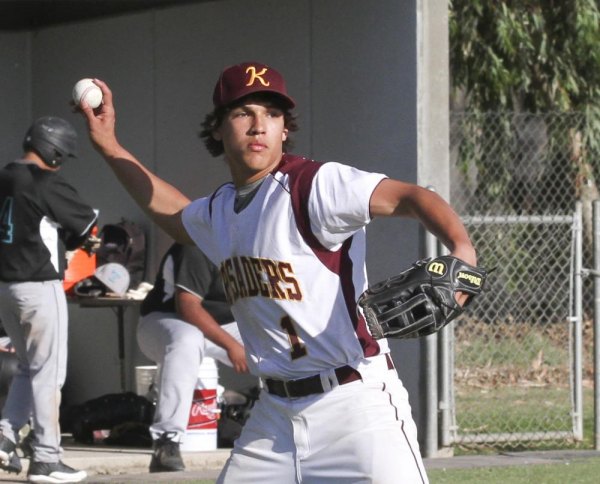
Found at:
(361, 432)
(35, 317)
(178, 347)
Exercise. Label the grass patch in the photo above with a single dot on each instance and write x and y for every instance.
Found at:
(513, 409)
(201, 481)
(577, 471)
(514, 378)
(525, 415)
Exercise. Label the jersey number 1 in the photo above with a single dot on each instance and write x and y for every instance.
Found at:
(298, 347)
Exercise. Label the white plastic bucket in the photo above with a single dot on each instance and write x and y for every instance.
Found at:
(145, 376)
(201, 432)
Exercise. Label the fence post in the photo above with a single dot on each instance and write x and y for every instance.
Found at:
(596, 275)
(446, 369)
(431, 370)
(577, 320)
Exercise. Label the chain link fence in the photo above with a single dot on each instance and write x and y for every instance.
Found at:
(515, 182)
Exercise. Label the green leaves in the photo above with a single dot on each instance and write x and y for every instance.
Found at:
(533, 55)
(527, 56)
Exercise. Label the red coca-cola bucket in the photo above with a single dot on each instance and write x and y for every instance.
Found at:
(201, 432)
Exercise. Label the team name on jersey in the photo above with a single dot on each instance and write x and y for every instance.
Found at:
(256, 276)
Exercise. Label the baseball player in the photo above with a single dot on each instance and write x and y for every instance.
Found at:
(288, 235)
(42, 216)
(185, 317)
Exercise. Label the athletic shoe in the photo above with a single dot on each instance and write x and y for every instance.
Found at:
(166, 456)
(53, 472)
(9, 460)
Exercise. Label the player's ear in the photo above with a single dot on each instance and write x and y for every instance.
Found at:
(284, 134)
(216, 134)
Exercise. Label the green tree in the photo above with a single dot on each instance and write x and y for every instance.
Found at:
(526, 55)
(532, 56)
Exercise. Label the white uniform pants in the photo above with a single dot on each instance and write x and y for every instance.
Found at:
(178, 347)
(35, 317)
(361, 432)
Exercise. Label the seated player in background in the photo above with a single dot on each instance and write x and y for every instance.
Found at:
(184, 319)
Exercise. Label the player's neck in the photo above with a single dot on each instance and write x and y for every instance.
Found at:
(245, 194)
(33, 157)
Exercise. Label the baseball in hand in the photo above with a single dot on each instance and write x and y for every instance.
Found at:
(86, 90)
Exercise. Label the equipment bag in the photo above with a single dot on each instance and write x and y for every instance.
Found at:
(106, 413)
(124, 243)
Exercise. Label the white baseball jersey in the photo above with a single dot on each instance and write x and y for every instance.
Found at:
(296, 319)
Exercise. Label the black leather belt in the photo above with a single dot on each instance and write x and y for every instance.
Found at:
(312, 384)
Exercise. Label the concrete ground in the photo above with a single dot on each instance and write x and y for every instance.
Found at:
(121, 465)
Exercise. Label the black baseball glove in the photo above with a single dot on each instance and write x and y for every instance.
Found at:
(421, 300)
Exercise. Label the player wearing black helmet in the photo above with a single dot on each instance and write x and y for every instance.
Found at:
(41, 216)
(53, 139)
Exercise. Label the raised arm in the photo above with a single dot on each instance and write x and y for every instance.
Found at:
(161, 201)
(395, 198)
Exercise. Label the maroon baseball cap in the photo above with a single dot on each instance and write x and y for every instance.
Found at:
(239, 80)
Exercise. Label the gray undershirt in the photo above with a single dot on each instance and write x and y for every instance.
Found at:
(245, 194)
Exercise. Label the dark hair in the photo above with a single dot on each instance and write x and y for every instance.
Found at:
(213, 120)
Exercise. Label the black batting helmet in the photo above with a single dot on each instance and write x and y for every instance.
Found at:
(53, 139)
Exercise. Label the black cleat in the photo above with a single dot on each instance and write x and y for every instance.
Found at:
(53, 472)
(13, 465)
(166, 456)
(9, 460)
